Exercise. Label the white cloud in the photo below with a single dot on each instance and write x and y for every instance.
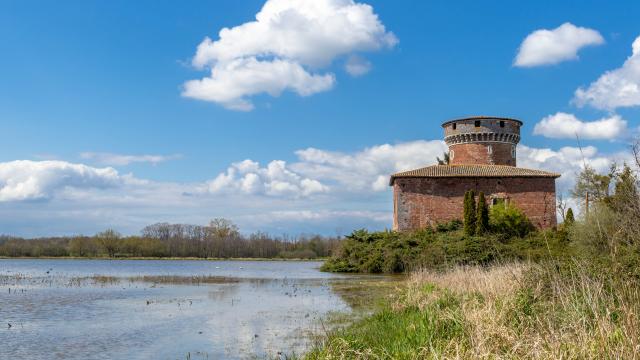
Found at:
(122, 159)
(567, 161)
(547, 47)
(230, 83)
(34, 180)
(616, 88)
(357, 66)
(321, 191)
(320, 171)
(276, 179)
(281, 49)
(568, 126)
(369, 169)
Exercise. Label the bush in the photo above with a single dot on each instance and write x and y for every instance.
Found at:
(395, 252)
(510, 221)
(449, 226)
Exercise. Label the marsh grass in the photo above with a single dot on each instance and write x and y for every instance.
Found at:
(535, 311)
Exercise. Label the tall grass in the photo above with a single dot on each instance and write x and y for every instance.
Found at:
(535, 311)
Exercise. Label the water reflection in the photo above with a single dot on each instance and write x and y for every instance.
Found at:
(91, 309)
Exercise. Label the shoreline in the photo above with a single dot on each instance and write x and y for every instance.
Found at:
(142, 258)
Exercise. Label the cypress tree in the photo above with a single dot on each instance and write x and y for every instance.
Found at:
(482, 218)
(469, 213)
(569, 218)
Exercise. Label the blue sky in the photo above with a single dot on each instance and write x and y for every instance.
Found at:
(92, 95)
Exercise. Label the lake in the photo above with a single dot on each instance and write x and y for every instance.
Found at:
(172, 309)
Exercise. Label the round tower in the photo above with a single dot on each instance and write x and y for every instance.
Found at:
(482, 140)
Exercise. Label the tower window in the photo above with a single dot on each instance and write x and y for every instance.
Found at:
(501, 123)
(477, 123)
(454, 126)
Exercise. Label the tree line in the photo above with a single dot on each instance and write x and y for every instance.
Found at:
(219, 239)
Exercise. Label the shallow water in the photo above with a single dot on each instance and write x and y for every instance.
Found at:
(143, 309)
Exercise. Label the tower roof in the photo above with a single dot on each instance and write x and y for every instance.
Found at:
(473, 118)
(464, 171)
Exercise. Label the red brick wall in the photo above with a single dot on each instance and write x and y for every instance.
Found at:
(422, 202)
(479, 153)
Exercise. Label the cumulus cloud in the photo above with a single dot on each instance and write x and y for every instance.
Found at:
(283, 49)
(276, 179)
(547, 47)
(320, 171)
(321, 191)
(36, 180)
(122, 159)
(231, 82)
(616, 88)
(568, 126)
(567, 161)
(368, 169)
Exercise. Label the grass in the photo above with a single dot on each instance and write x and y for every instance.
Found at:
(517, 310)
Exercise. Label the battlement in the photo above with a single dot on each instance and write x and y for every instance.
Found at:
(482, 140)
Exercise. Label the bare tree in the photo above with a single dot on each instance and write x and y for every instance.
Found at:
(562, 207)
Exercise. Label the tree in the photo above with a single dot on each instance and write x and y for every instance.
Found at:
(109, 240)
(82, 246)
(223, 228)
(626, 190)
(444, 160)
(482, 217)
(591, 183)
(569, 219)
(469, 213)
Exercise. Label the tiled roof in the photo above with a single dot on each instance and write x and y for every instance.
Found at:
(441, 171)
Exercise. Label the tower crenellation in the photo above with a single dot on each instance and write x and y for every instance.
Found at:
(482, 140)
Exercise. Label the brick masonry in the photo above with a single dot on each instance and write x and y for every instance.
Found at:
(483, 153)
(422, 202)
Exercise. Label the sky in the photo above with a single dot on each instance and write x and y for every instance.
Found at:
(288, 116)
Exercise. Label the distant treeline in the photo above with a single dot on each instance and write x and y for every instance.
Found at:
(219, 239)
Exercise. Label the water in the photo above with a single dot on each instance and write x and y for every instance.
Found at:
(131, 309)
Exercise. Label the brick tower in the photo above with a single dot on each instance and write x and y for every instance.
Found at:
(482, 140)
(482, 157)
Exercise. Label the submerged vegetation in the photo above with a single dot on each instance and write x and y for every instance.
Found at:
(220, 239)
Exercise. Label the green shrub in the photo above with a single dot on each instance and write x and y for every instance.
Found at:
(395, 252)
(508, 220)
(449, 226)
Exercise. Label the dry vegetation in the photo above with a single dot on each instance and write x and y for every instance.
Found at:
(504, 311)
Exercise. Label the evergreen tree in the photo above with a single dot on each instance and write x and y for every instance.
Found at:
(626, 191)
(482, 218)
(444, 160)
(469, 213)
(569, 218)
